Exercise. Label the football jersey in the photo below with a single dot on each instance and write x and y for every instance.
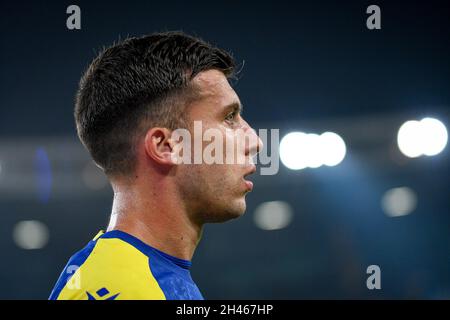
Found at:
(118, 266)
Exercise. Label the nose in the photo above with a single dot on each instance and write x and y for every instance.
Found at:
(255, 144)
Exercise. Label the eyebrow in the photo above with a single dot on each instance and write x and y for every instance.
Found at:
(235, 106)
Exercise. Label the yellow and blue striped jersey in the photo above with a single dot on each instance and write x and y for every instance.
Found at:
(116, 265)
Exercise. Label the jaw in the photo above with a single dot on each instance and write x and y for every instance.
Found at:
(233, 210)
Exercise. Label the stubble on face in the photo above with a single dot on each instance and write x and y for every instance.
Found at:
(213, 192)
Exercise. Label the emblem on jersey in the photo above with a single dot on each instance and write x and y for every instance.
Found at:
(101, 294)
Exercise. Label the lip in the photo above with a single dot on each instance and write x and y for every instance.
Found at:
(249, 185)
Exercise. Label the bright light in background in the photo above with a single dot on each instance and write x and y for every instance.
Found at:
(435, 136)
(312, 151)
(425, 137)
(398, 202)
(30, 234)
(333, 148)
(409, 139)
(290, 150)
(273, 215)
(299, 150)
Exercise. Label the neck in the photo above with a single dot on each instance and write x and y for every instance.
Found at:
(157, 218)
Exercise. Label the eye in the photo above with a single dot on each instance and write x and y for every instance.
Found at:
(231, 116)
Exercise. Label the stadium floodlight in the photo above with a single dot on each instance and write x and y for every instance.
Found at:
(425, 137)
(291, 150)
(299, 150)
(273, 215)
(333, 148)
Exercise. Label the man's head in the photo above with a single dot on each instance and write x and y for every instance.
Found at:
(136, 93)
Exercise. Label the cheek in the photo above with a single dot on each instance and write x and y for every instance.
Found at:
(233, 147)
(219, 179)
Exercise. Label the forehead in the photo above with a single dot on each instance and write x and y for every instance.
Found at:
(214, 91)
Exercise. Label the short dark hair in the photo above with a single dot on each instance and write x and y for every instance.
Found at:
(137, 84)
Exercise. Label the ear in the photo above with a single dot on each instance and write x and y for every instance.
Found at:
(159, 145)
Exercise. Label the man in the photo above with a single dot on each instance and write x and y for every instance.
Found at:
(131, 100)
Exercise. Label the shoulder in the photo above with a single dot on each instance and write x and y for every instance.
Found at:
(108, 268)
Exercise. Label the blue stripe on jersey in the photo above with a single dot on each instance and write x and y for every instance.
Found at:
(76, 260)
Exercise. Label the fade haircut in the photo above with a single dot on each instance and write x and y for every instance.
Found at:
(138, 84)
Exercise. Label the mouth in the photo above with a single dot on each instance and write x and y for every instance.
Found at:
(249, 184)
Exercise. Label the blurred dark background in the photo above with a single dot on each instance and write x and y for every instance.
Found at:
(309, 66)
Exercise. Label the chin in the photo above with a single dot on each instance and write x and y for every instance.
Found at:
(234, 210)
